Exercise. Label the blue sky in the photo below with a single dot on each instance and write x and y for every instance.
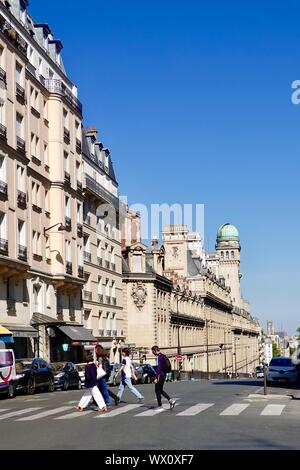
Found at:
(194, 100)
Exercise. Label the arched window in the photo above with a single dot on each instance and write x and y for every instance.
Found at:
(227, 254)
(232, 254)
(222, 254)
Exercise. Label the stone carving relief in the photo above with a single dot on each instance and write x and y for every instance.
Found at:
(139, 294)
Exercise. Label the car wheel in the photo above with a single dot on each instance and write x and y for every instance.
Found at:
(30, 389)
(65, 385)
(51, 386)
(11, 391)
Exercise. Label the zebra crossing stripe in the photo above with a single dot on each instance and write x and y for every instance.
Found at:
(46, 413)
(196, 409)
(76, 414)
(152, 412)
(234, 410)
(19, 412)
(273, 410)
(119, 411)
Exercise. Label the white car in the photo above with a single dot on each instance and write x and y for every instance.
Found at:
(282, 369)
(81, 369)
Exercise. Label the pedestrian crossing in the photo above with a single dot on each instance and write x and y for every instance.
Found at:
(142, 410)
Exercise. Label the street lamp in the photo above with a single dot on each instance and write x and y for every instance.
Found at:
(61, 228)
(178, 342)
(207, 352)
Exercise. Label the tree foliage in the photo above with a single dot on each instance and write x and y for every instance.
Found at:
(276, 351)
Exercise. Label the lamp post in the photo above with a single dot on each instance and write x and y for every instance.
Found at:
(207, 352)
(61, 228)
(178, 345)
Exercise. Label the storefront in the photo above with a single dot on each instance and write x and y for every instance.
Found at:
(24, 340)
(70, 343)
(6, 338)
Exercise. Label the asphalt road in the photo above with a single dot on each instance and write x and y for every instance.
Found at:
(208, 415)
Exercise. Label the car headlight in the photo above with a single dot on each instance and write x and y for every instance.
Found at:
(20, 376)
(58, 376)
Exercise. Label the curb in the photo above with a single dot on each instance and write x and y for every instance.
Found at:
(259, 395)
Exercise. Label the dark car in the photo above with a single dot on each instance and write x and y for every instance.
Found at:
(138, 371)
(148, 373)
(65, 375)
(32, 374)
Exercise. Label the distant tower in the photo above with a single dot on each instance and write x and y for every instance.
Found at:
(270, 328)
(228, 248)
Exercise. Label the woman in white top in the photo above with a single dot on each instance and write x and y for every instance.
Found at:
(127, 373)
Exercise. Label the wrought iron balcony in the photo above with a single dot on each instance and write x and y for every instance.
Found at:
(99, 260)
(22, 252)
(108, 299)
(69, 268)
(3, 190)
(14, 38)
(58, 87)
(68, 224)
(114, 301)
(87, 295)
(21, 146)
(101, 192)
(66, 135)
(100, 298)
(3, 132)
(20, 93)
(108, 332)
(78, 146)
(101, 332)
(87, 256)
(3, 75)
(79, 230)
(67, 178)
(3, 247)
(80, 272)
(21, 196)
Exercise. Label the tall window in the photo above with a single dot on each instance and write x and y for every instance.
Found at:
(19, 125)
(67, 206)
(2, 169)
(20, 178)
(3, 233)
(66, 162)
(107, 288)
(21, 233)
(79, 255)
(99, 285)
(113, 289)
(232, 254)
(68, 250)
(36, 243)
(79, 213)
(19, 73)
(78, 172)
(65, 119)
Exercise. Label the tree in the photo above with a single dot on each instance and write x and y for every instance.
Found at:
(298, 331)
(275, 349)
(292, 350)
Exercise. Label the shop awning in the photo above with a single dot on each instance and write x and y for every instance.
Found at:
(41, 319)
(6, 339)
(4, 331)
(23, 331)
(77, 333)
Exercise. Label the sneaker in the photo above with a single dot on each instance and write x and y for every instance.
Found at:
(172, 404)
(117, 401)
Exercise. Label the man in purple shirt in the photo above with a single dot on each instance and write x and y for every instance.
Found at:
(159, 381)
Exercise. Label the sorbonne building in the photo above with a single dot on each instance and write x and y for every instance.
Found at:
(189, 303)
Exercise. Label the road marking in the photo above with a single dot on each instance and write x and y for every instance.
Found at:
(119, 411)
(72, 402)
(152, 412)
(273, 410)
(234, 410)
(76, 414)
(196, 409)
(46, 413)
(19, 412)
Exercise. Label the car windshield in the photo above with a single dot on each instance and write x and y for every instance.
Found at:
(21, 365)
(281, 362)
(58, 366)
(259, 369)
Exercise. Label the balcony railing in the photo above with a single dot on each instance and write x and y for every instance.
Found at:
(108, 332)
(69, 268)
(58, 87)
(97, 189)
(3, 247)
(78, 146)
(22, 252)
(67, 178)
(114, 300)
(108, 299)
(3, 75)
(12, 35)
(66, 135)
(99, 261)
(3, 132)
(21, 196)
(68, 224)
(79, 230)
(87, 295)
(21, 146)
(100, 298)
(80, 272)
(20, 93)
(3, 190)
(87, 256)
(101, 332)
(79, 186)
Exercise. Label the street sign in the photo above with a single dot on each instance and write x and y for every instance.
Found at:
(179, 358)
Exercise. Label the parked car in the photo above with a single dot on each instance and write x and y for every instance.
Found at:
(148, 373)
(81, 368)
(7, 372)
(113, 378)
(66, 375)
(32, 374)
(282, 369)
(138, 372)
(259, 372)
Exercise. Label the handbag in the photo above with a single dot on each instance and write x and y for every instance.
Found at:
(100, 372)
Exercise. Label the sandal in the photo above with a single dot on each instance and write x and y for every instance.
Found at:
(79, 408)
(103, 410)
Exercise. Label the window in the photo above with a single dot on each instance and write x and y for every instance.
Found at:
(67, 206)
(10, 289)
(113, 289)
(45, 110)
(86, 243)
(68, 250)
(112, 255)
(25, 291)
(78, 172)
(2, 169)
(137, 263)
(21, 233)
(40, 66)
(30, 55)
(19, 72)
(3, 233)
(19, 125)
(79, 255)
(20, 178)
(99, 249)
(46, 155)
(222, 254)
(107, 288)
(99, 285)
(66, 162)
(65, 119)
(36, 243)
(36, 194)
(232, 254)
(79, 211)
(47, 201)
(227, 254)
